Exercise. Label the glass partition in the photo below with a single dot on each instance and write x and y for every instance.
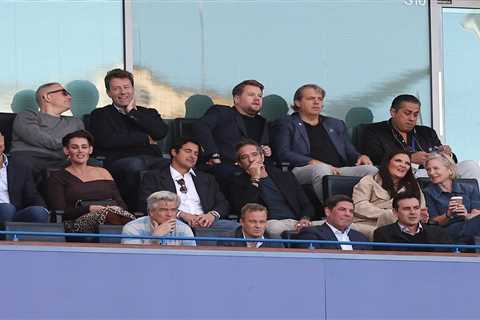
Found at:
(363, 53)
(461, 49)
(72, 42)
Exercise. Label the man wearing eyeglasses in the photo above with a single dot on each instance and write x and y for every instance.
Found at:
(202, 204)
(37, 135)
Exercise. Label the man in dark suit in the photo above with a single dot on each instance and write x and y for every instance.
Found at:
(401, 132)
(288, 206)
(127, 134)
(202, 203)
(222, 128)
(408, 228)
(19, 199)
(339, 212)
(316, 145)
(253, 224)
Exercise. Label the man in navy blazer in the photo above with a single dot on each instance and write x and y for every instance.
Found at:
(202, 203)
(19, 199)
(316, 145)
(253, 225)
(222, 128)
(339, 212)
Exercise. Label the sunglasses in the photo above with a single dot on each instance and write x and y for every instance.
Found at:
(183, 186)
(63, 91)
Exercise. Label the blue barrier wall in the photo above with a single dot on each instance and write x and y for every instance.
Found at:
(47, 282)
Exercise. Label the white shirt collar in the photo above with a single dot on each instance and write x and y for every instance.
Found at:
(405, 229)
(257, 244)
(338, 232)
(177, 175)
(121, 110)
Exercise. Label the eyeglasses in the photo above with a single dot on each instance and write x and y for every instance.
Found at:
(63, 91)
(183, 186)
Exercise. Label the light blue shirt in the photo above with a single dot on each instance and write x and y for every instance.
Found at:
(4, 197)
(142, 227)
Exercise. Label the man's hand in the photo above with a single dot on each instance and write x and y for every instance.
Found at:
(303, 223)
(314, 161)
(445, 149)
(473, 214)
(213, 162)
(190, 219)
(419, 157)
(205, 220)
(131, 105)
(256, 170)
(151, 141)
(424, 215)
(95, 208)
(164, 228)
(335, 171)
(363, 159)
(215, 159)
(267, 152)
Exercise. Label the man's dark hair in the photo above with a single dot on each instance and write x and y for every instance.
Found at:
(118, 73)
(249, 207)
(238, 89)
(404, 98)
(403, 195)
(331, 202)
(246, 142)
(299, 93)
(77, 134)
(408, 181)
(180, 142)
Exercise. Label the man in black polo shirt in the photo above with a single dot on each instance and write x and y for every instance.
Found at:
(408, 229)
(288, 206)
(316, 145)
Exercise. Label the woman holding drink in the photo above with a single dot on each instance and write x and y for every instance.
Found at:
(453, 205)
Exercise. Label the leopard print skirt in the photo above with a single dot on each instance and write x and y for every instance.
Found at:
(88, 223)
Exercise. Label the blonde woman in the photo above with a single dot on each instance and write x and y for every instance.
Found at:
(452, 204)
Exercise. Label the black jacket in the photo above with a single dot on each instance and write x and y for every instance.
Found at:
(430, 234)
(207, 188)
(379, 139)
(21, 188)
(241, 191)
(221, 129)
(239, 234)
(118, 136)
(323, 232)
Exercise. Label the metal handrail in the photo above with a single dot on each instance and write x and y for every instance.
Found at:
(453, 247)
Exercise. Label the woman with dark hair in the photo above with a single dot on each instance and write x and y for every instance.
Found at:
(452, 204)
(87, 194)
(373, 195)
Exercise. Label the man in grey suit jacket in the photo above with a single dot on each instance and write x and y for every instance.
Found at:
(316, 145)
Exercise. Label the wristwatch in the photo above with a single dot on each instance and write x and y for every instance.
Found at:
(215, 214)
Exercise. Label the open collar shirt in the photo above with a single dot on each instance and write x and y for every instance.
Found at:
(341, 236)
(4, 197)
(189, 201)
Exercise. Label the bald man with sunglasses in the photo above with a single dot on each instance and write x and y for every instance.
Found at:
(37, 135)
